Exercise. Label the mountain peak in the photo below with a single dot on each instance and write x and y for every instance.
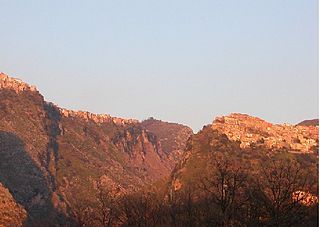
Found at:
(237, 118)
(15, 84)
(251, 131)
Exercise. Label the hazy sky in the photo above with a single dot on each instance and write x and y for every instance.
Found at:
(177, 60)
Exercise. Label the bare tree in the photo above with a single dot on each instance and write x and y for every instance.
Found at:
(224, 193)
(143, 208)
(181, 207)
(83, 213)
(272, 194)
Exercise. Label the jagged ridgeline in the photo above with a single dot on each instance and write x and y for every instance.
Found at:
(52, 157)
(60, 167)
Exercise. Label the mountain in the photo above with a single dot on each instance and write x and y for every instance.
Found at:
(245, 139)
(53, 157)
(244, 171)
(172, 136)
(60, 167)
(313, 122)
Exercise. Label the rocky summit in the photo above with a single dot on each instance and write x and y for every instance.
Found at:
(252, 131)
(15, 84)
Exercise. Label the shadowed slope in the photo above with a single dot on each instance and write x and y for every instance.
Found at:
(25, 181)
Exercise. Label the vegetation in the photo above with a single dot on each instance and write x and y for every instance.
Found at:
(228, 196)
(223, 185)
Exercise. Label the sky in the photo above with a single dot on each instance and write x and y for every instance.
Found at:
(180, 61)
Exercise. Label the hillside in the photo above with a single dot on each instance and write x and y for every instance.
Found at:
(52, 157)
(11, 213)
(248, 141)
(241, 164)
(172, 136)
(313, 122)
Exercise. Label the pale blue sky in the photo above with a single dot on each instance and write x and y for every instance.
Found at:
(180, 61)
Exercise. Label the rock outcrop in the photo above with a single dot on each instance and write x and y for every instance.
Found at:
(96, 118)
(305, 198)
(252, 131)
(15, 84)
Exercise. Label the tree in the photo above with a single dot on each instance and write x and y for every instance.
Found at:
(272, 201)
(224, 193)
(83, 213)
(142, 208)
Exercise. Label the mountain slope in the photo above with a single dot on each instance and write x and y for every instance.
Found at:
(248, 141)
(313, 122)
(11, 213)
(52, 157)
(172, 136)
(237, 172)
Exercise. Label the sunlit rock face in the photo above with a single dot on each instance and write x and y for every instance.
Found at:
(305, 198)
(97, 118)
(15, 84)
(252, 131)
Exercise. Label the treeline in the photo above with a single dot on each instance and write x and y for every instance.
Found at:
(277, 195)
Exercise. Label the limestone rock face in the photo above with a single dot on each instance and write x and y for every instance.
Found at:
(15, 84)
(253, 131)
(11, 213)
(96, 118)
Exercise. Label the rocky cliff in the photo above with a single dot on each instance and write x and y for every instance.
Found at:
(251, 131)
(172, 136)
(15, 84)
(51, 157)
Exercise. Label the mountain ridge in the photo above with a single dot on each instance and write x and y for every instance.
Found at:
(64, 154)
